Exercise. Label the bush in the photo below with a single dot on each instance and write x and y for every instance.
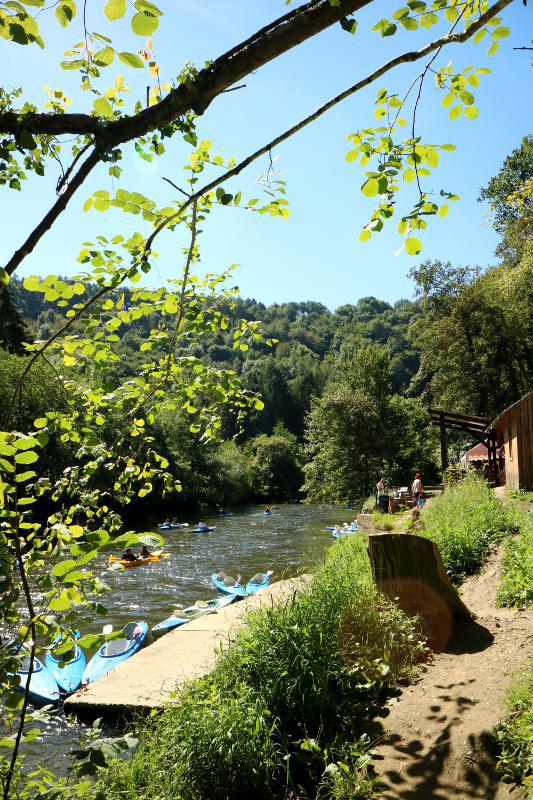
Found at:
(515, 735)
(467, 522)
(517, 568)
(211, 745)
(294, 677)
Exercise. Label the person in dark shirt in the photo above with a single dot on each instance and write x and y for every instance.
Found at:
(129, 555)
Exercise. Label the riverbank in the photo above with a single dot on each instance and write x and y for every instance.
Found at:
(153, 678)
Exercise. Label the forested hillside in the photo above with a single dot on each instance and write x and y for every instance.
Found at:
(344, 393)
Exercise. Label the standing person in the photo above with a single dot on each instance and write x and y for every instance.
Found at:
(383, 496)
(416, 488)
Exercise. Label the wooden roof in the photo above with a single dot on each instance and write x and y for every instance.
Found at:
(470, 424)
(500, 417)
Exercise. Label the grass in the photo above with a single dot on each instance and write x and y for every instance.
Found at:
(515, 735)
(516, 588)
(388, 522)
(279, 712)
(467, 522)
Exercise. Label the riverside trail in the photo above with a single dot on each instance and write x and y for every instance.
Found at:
(428, 741)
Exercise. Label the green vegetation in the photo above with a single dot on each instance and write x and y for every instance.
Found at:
(515, 735)
(281, 705)
(467, 522)
(516, 588)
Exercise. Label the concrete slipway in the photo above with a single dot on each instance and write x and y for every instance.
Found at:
(150, 678)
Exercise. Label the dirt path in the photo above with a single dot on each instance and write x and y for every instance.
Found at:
(428, 739)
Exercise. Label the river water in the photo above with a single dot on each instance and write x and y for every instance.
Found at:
(293, 539)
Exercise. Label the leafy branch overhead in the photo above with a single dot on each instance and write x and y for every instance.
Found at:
(31, 138)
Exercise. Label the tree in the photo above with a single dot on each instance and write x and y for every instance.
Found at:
(276, 464)
(13, 330)
(510, 194)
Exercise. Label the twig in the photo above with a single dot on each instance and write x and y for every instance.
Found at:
(49, 218)
(176, 187)
(183, 287)
(66, 175)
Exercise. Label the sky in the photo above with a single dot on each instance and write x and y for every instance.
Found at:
(315, 254)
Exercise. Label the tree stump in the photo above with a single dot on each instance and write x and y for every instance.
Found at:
(409, 570)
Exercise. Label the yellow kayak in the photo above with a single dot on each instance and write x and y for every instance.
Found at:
(152, 559)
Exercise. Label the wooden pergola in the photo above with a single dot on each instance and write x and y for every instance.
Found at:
(477, 427)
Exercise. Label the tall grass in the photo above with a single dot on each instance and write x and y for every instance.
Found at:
(516, 588)
(280, 705)
(467, 522)
(515, 735)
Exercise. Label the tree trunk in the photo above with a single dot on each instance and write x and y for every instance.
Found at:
(409, 570)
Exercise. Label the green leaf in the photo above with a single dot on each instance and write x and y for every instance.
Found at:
(61, 603)
(370, 187)
(432, 158)
(467, 98)
(448, 147)
(115, 9)
(104, 57)
(455, 112)
(448, 99)
(21, 477)
(88, 641)
(409, 175)
(493, 48)
(65, 12)
(26, 457)
(58, 570)
(409, 23)
(385, 27)
(144, 24)
(451, 14)
(443, 210)
(500, 33)
(104, 109)
(7, 742)
(131, 60)
(471, 112)
(413, 246)
(352, 155)
(479, 35)
(364, 236)
(4, 277)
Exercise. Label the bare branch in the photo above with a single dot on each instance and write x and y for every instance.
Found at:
(59, 206)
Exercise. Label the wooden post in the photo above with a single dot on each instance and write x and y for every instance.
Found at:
(409, 570)
(443, 444)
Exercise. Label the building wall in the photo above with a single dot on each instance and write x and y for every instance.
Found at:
(516, 429)
(524, 422)
(507, 427)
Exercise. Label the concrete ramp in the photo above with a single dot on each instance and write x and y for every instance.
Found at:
(148, 679)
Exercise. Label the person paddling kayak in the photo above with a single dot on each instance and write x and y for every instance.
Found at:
(129, 555)
(202, 526)
(145, 552)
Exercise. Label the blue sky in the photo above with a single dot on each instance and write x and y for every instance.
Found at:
(316, 253)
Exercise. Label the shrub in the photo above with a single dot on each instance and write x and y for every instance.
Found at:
(515, 735)
(467, 522)
(517, 568)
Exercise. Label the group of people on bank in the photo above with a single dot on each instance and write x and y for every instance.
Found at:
(397, 494)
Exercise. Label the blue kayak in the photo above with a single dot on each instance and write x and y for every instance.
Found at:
(164, 526)
(115, 651)
(343, 532)
(43, 687)
(226, 514)
(267, 513)
(227, 585)
(204, 530)
(193, 612)
(68, 677)
(258, 582)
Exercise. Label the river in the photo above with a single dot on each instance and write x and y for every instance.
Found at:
(292, 540)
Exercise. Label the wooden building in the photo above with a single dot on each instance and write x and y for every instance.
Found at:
(514, 429)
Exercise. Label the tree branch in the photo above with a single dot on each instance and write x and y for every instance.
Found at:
(58, 207)
(266, 44)
(408, 57)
